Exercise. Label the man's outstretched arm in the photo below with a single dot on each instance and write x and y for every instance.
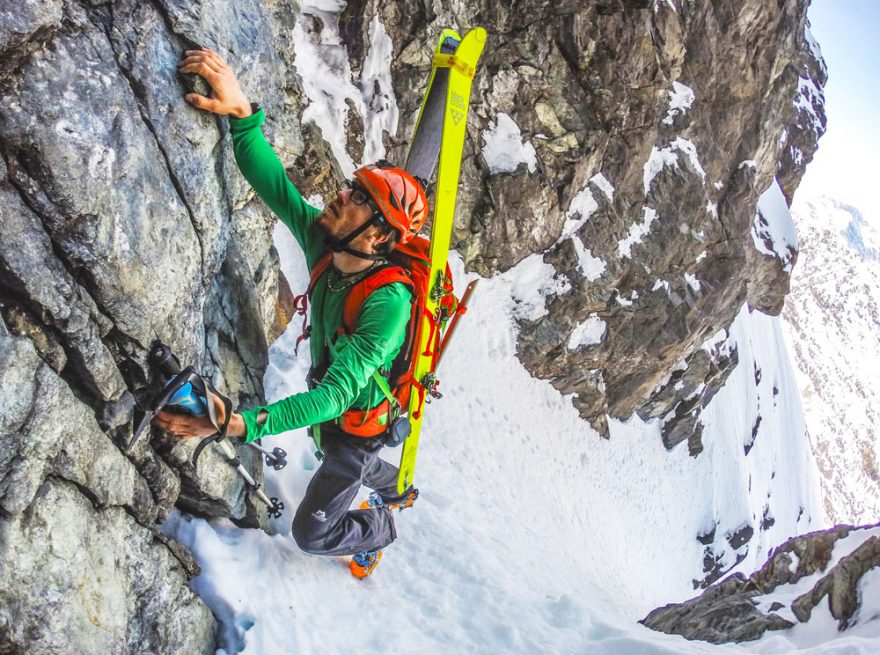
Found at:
(257, 161)
(380, 332)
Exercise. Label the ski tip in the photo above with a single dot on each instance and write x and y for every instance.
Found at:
(479, 34)
(451, 34)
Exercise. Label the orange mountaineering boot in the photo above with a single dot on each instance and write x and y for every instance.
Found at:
(406, 499)
(363, 564)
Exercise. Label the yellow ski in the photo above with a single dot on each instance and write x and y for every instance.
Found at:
(461, 67)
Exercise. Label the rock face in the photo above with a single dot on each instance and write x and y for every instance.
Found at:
(808, 568)
(654, 127)
(122, 220)
(652, 147)
(83, 567)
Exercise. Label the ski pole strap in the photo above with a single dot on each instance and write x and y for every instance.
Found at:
(202, 386)
(451, 61)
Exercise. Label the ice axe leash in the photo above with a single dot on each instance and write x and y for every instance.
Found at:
(186, 392)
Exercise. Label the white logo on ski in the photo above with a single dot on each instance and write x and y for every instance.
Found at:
(457, 107)
(320, 516)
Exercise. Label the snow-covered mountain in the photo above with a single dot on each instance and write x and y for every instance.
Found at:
(832, 323)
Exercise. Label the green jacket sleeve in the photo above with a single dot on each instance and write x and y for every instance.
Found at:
(264, 171)
(380, 332)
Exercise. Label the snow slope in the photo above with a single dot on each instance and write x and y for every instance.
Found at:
(831, 320)
(532, 534)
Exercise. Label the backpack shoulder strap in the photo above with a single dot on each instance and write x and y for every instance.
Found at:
(319, 269)
(301, 302)
(360, 291)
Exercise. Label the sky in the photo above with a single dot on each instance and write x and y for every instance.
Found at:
(848, 160)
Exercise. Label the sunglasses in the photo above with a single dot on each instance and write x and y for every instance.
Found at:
(359, 195)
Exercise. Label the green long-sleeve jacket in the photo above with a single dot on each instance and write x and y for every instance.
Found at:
(381, 325)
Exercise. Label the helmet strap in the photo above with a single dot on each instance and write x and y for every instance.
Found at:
(341, 245)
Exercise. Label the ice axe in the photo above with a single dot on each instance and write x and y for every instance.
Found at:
(186, 391)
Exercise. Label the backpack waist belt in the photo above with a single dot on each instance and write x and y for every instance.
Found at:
(366, 422)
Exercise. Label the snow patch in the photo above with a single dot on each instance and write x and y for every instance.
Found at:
(378, 92)
(809, 96)
(581, 207)
(718, 342)
(505, 150)
(815, 49)
(660, 284)
(663, 157)
(681, 98)
(670, 3)
(692, 281)
(636, 232)
(323, 65)
(773, 230)
(587, 333)
(530, 287)
(603, 185)
(591, 267)
(623, 301)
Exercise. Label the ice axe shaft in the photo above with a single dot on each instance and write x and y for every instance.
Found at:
(462, 308)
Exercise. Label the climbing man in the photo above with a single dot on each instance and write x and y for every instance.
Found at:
(380, 208)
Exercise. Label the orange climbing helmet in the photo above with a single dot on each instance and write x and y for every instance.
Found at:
(399, 196)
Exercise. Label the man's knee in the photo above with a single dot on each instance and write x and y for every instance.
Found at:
(310, 530)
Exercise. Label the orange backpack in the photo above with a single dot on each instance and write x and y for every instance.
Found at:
(410, 264)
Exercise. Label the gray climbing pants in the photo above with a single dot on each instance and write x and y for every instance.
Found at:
(324, 524)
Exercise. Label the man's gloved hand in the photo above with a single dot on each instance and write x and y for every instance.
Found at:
(226, 97)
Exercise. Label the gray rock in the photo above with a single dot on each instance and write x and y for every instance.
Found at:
(51, 305)
(123, 219)
(722, 614)
(588, 109)
(841, 585)
(86, 580)
(24, 28)
(728, 612)
(100, 185)
(49, 433)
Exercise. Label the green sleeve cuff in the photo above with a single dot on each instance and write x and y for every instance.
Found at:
(254, 431)
(241, 125)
